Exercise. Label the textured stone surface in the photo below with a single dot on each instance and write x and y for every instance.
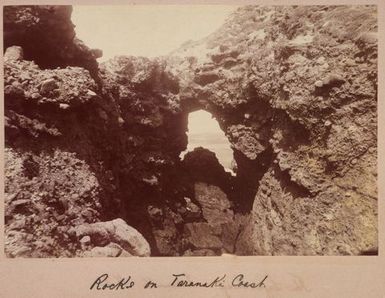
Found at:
(202, 235)
(300, 100)
(47, 36)
(214, 203)
(110, 250)
(14, 53)
(293, 88)
(116, 231)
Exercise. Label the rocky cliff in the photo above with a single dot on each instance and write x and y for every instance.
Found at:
(92, 162)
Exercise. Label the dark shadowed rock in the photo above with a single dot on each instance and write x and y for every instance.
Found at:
(202, 236)
(199, 253)
(203, 166)
(47, 36)
(216, 207)
(206, 78)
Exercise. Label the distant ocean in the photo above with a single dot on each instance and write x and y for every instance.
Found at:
(218, 144)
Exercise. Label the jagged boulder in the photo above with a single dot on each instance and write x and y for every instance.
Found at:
(201, 165)
(216, 207)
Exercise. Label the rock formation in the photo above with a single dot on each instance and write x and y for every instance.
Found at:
(92, 163)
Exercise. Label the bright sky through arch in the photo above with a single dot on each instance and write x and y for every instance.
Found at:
(200, 122)
(145, 30)
(204, 131)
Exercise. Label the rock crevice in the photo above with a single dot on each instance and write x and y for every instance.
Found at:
(93, 146)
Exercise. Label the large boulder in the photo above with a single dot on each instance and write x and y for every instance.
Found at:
(216, 207)
(110, 250)
(117, 231)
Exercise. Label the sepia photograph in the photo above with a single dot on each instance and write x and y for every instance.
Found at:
(190, 130)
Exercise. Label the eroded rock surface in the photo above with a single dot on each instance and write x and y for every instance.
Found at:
(293, 88)
(47, 36)
(115, 233)
(295, 91)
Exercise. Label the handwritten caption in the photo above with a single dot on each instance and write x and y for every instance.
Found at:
(179, 280)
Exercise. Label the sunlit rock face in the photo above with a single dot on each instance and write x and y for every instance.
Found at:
(297, 101)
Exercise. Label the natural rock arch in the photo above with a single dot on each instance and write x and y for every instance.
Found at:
(299, 109)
